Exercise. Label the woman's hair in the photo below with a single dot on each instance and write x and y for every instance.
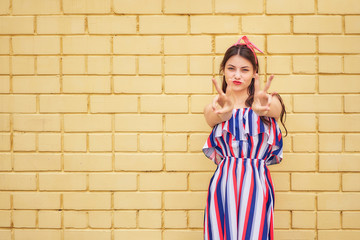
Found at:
(245, 52)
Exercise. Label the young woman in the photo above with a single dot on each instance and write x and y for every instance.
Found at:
(245, 139)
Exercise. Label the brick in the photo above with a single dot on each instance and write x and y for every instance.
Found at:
(350, 219)
(149, 219)
(18, 103)
(37, 162)
(125, 219)
(5, 219)
(150, 142)
(49, 219)
(352, 142)
(16, 25)
(148, 234)
(73, 65)
(163, 181)
(100, 142)
(199, 181)
(86, 84)
(36, 122)
(352, 24)
(330, 84)
(294, 201)
(303, 219)
(339, 44)
(63, 103)
(291, 44)
(87, 234)
(75, 142)
(21, 142)
(164, 103)
(137, 200)
(304, 143)
(23, 65)
(124, 65)
(304, 64)
(199, 102)
(5, 84)
(35, 234)
(5, 7)
(75, 219)
(351, 64)
(130, 7)
(87, 162)
(36, 84)
(137, 122)
(36, 200)
(336, 234)
(24, 219)
(5, 122)
(187, 84)
(86, 45)
(4, 45)
(296, 162)
(34, 45)
(175, 142)
(315, 182)
(113, 103)
(4, 65)
(138, 162)
(214, 24)
(282, 219)
(137, 45)
(130, 140)
(175, 219)
(330, 64)
(339, 162)
(320, 103)
(188, 162)
(4, 200)
(242, 6)
(328, 220)
(163, 24)
(60, 25)
(98, 65)
(349, 181)
(296, 7)
(150, 65)
(184, 200)
(293, 84)
(48, 65)
(182, 234)
(175, 65)
(18, 181)
(317, 24)
(265, 24)
(87, 122)
(222, 43)
(112, 181)
(137, 84)
(294, 234)
(87, 6)
(301, 123)
(49, 142)
(185, 122)
(196, 219)
(281, 181)
(112, 24)
(338, 7)
(201, 64)
(35, 7)
(100, 219)
(187, 44)
(330, 142)
(278, 64)
(89, 201)
(337, 123)
(338, 201)
(187, 6)
(62, 181)
(5, 139)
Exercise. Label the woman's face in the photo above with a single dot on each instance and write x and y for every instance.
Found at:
(238, 73)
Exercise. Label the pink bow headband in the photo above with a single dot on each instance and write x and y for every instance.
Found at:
(249, 45)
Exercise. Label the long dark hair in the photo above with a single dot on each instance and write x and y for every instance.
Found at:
(245, 52)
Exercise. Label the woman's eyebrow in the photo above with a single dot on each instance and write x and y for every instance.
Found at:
(241, 67)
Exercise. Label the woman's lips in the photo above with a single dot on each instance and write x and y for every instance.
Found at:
(237, 82)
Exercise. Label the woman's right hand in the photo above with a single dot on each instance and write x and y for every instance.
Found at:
(226, 102)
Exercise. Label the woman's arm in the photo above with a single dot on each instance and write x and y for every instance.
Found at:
(275, 108)
(213, 118)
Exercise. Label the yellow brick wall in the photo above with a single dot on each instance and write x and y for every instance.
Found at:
(101, 124)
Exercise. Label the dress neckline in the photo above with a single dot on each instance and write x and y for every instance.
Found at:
(241, 108)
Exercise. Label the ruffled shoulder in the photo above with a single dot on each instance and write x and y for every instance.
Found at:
(244, 123)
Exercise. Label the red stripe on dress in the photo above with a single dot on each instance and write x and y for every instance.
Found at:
(264, 208)
(248, 204)
(217, 205)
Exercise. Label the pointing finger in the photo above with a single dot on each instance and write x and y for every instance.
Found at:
(218, 89)
(267, 86)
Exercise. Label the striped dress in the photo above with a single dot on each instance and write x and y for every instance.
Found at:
(240, 200)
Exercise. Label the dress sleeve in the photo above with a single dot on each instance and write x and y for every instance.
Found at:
(212, 148)
(276, 154)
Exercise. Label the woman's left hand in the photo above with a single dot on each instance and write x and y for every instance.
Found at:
(262, 99)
